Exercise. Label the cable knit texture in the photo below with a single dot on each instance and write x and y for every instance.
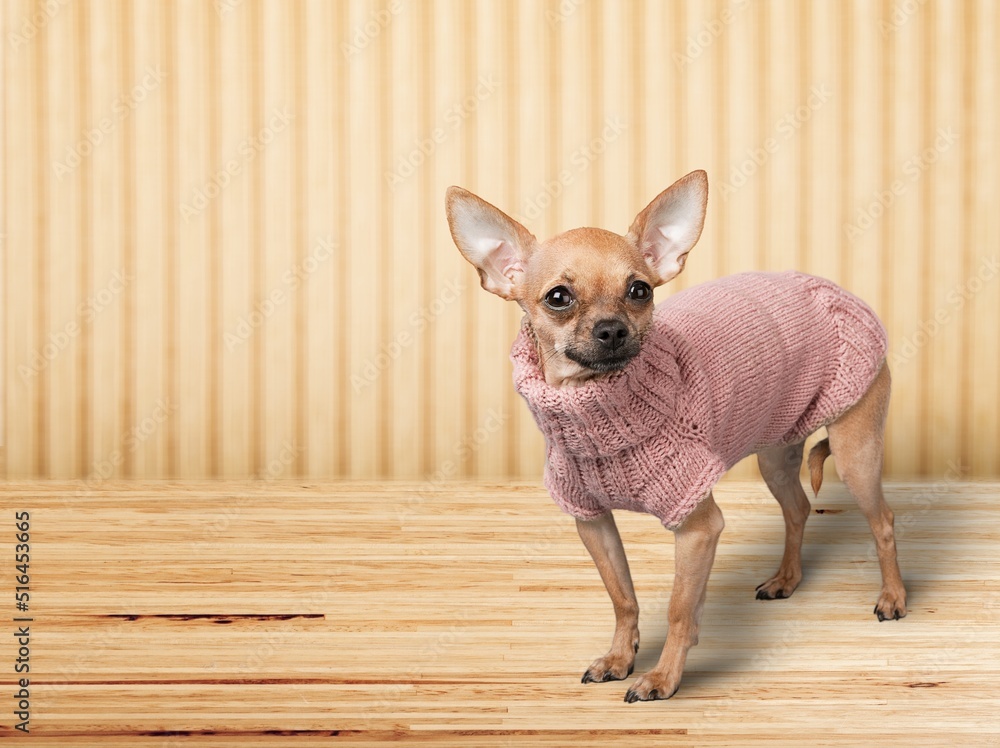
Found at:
(726, 368)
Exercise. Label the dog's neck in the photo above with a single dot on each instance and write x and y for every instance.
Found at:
(559, 370)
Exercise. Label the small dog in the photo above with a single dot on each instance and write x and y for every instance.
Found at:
(644, 410)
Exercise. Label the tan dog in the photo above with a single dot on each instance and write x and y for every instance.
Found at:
(587, 295)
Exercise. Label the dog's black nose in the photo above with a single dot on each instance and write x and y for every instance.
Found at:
(611, 333)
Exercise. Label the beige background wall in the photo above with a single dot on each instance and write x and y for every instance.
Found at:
(224, 248)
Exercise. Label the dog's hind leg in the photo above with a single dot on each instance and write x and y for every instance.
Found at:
(780, 468)
(856, 441)
(602, 540)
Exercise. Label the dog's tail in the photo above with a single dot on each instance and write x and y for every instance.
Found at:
(817, 456)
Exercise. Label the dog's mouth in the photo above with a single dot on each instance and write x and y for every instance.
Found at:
(605, 364)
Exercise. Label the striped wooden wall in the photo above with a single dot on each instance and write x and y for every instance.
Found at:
(224, 245)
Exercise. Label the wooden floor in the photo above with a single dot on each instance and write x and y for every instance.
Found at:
(357, 614)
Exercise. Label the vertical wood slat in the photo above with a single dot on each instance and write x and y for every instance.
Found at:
(366, 82)
(538, 141)
(22, 198)
(943, 159)
(483, 113)
(151, 408)
(402, 203)
(195, 171)
(907, 359)
(3, 248)
(983, 232)
(450, 387)
(63, 128)
(236, 249)
(107, 235)
(277, 125)
(324, 370)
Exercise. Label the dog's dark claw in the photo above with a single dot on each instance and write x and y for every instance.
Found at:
(635, 647)
(880, 616)
(631, 697)
(586, 678)
(762, 595)
(779, 595)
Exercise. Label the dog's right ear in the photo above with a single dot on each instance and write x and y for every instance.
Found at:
(492, 241)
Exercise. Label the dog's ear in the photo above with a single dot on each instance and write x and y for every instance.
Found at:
(667, 229)
(492, 241)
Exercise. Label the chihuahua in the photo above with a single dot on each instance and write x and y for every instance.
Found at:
(644, 408)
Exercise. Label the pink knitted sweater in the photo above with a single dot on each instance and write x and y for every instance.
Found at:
(727, 368)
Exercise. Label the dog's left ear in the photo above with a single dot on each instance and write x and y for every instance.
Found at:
(667, 229)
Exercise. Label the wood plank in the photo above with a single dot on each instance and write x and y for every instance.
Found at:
(208, 638)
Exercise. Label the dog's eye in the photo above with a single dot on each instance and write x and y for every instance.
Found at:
(558, 298)
(640, 291)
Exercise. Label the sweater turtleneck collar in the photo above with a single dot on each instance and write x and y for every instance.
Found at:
(608, 414)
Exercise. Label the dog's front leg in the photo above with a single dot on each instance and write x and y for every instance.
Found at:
(602, 540)
(694, 552)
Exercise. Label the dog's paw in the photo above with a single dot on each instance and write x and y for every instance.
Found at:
(778, 587)
(891, 605)
(651, 687)
(610, 667)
